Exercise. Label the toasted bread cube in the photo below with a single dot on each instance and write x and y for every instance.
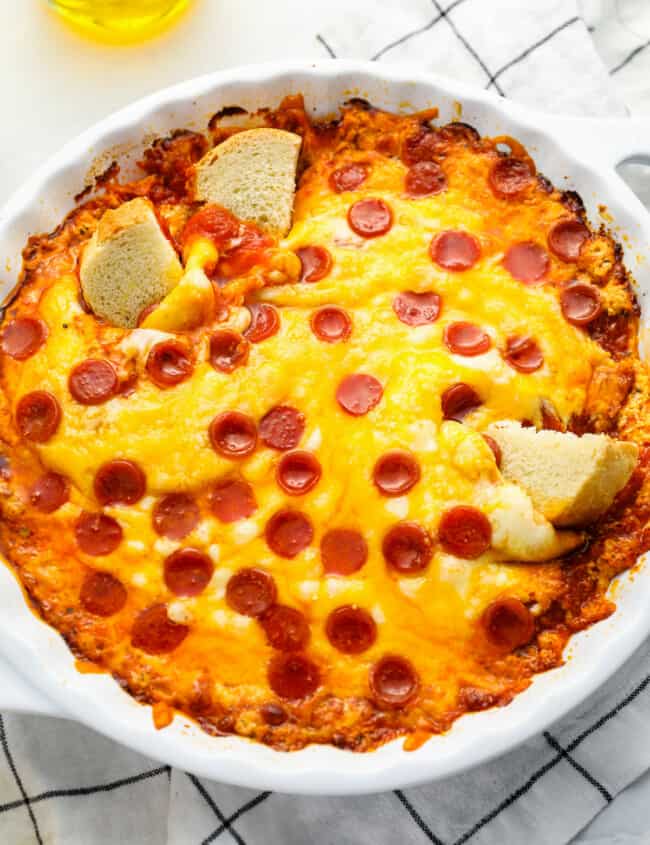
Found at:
(128, 264)
(571, 480)
(253, 175)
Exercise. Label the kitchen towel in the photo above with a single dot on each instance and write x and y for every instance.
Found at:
(62, 784)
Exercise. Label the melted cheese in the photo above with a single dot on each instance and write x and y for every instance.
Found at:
(430, 619)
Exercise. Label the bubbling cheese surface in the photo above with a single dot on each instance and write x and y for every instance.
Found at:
(428, 617)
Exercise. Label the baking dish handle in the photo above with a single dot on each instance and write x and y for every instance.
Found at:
(18, 696)
(610, 140)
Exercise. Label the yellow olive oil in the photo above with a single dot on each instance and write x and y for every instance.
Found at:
(119, 21)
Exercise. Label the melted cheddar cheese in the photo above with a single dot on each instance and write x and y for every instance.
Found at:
(414, 633)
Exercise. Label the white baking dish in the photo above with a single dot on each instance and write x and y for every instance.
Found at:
(37, 671)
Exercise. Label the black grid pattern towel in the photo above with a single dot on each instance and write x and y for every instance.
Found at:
(63, 785)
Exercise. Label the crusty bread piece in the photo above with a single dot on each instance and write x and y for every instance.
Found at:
(571, 480)
(128, 264)
(253, 174)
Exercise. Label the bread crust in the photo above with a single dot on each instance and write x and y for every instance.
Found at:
(253, 175)
(571, 480)
(128, 264)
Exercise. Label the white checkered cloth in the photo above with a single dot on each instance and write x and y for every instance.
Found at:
(63, 785)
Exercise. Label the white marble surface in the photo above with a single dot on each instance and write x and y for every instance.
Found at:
(55, 84)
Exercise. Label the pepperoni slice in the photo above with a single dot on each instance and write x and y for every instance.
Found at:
(154, 632)
(286, 628)
(407, 548)
(316, 262)
(393, 681)
(566, 239)
(424, 179)
(458, 132)
(282, 427)
(359, 393)
(23, 337)
(580, 303)
(232, 500)
(228, 350)
(351, 629)
(49, 492)
(423, 146)
(370, 217)
(273, 714)
(348, 177)
(38, 415)
(298, 473)
(188, 572)
(508, 623)
(455, 251)
(458, 401)
(212, 222)
(417, 309)
(496, 449)
(343, 551)
(288, 533)
(331, 324)
(527, 262)
(465, 532)
(102, 594)
(265, 321)
(233, 434)
(510, 176)
(119, 481)
(251, 592)
(395, 473)
(93, 381)
(293, 676)
(175, 516)
(169, 363)
(523, 353)
(97, 534)
(466, 339)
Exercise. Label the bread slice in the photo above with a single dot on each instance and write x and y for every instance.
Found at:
(128, 264)
(253, 174)
(571, 480)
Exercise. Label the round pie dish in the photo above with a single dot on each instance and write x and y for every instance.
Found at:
(560, 147)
